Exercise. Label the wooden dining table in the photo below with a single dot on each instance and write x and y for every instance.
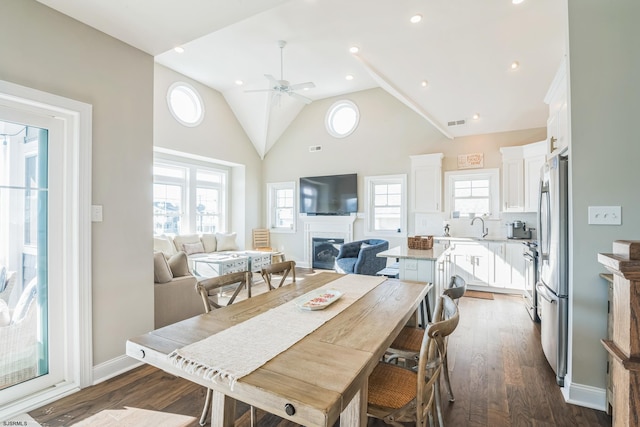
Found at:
(321, 378)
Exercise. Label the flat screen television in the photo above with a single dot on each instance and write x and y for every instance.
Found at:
(329, 195)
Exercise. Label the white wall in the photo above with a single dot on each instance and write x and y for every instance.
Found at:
(218, 137)
(387, 135)
(605, 99)
(46, 50)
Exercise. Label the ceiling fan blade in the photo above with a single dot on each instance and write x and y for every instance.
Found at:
(272, 80)
(300, 97)
(259, 90)
(307, 85)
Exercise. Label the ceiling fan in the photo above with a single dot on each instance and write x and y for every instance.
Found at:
(282, 86)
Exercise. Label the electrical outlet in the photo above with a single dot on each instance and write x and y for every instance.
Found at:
(605, 215)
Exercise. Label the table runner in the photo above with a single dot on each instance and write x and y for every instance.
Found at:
(239, 350)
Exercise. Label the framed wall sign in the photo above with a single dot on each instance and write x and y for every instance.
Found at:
(470, 161)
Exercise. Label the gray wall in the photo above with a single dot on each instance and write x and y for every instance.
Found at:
(388, 133)
(605, 99)
(219, 137)
(46, 50)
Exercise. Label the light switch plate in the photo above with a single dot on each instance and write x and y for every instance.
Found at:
(96, 213)
(605, 215)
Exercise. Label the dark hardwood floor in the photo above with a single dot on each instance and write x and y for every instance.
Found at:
(498, 373)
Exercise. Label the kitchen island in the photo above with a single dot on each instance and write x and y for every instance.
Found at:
(422, 265)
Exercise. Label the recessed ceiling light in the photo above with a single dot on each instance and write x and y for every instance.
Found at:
(349, 77)
(476, 116)
(239, 82)
(179, 49)
(416, 18)
(515, 65)
(424, 83)
(354, 49)
(516, 1)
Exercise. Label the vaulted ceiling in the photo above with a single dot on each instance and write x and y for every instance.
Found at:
(462, 49)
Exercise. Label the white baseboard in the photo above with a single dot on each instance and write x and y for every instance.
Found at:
(113, 367)
(585, 395)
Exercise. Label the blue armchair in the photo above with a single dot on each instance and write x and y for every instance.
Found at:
(360, 257)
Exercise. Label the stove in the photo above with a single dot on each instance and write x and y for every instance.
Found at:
(530, 279)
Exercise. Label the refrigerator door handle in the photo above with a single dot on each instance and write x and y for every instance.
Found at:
(546, 294)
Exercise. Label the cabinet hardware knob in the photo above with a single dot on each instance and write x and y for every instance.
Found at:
(142, 355)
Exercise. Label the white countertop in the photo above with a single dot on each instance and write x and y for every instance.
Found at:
(404, 252)
(480, 239)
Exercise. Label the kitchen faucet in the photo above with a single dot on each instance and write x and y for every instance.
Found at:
(485, 231)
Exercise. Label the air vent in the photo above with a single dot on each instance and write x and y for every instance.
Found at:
(456, 123)
(313, 148)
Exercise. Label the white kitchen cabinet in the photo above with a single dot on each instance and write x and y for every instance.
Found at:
(512, 179)
(470, 260)
(514, 254)
(521, 176)
(558, 121)
(492, 264)
(426, 182)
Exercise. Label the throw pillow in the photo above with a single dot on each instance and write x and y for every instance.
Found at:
(226, 241)
(164, 244)
(181, 239)
(193, 248)
(364, 246)
(27, 297)
(3, 278)
(161, 271)
(5, 313)
(209, 242)
(179, 265)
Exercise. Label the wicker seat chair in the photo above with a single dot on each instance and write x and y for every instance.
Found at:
(210, 290)
(282, 269)
(406, 346)
(398, 394)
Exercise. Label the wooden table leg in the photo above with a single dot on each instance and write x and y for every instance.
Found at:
(355, 414)
(223, 410)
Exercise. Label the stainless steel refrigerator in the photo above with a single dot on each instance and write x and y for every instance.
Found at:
(553, 263)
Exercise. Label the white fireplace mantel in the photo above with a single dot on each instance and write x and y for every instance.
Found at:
(326, 226)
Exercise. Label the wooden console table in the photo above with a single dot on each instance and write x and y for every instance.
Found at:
(624, 347)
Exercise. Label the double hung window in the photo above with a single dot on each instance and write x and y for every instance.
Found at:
(386, 205)
(281, 206)
(189, 197)
(471, 193)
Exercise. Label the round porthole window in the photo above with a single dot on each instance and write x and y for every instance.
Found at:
(185, 104)
(342, 118)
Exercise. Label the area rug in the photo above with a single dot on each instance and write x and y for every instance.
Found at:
(478, 294)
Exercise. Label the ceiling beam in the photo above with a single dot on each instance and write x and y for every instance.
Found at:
(386, 84)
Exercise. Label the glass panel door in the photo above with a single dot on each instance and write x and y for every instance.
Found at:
(24, 328)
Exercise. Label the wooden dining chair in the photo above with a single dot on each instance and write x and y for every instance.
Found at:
(282, 269)
(406, 346)
(398, 394)
(210, 290)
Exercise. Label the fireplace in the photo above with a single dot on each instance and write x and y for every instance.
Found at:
(324, 252)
